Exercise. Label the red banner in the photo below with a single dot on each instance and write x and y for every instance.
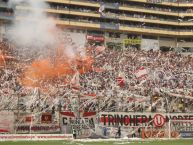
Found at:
(46, 118)
(29, 118)
(95, 38)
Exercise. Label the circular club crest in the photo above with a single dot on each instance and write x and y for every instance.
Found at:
(158, 120)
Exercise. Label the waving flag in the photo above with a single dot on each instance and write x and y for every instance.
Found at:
(101, 9)
(141, 73)
(75, 82)
(121, 79)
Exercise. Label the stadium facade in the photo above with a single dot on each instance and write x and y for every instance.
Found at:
(168, 22)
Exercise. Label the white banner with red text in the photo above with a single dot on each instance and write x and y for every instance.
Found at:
(146, 125)
(83, 123)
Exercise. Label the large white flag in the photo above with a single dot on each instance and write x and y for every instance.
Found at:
(101, 9)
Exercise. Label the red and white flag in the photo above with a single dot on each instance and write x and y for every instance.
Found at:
(121, 79)
(141, 73)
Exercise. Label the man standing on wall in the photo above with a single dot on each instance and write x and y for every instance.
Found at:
(74, 133)
(119, 132)
(133, 135)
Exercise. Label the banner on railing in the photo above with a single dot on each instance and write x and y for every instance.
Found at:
(26, 137)
(139, 119)
(149, 125)
(37, 128)
(83, 123)
(131, 41)
(95, 38)
(46, 118)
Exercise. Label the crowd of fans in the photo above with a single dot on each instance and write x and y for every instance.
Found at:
(111, 86)
(168, 73)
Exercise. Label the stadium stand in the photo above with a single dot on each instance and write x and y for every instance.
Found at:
(132, 64)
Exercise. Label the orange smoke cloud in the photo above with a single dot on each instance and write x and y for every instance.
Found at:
(45, 70)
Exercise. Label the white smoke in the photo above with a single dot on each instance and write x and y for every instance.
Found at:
(32, 27)
(11, 2)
